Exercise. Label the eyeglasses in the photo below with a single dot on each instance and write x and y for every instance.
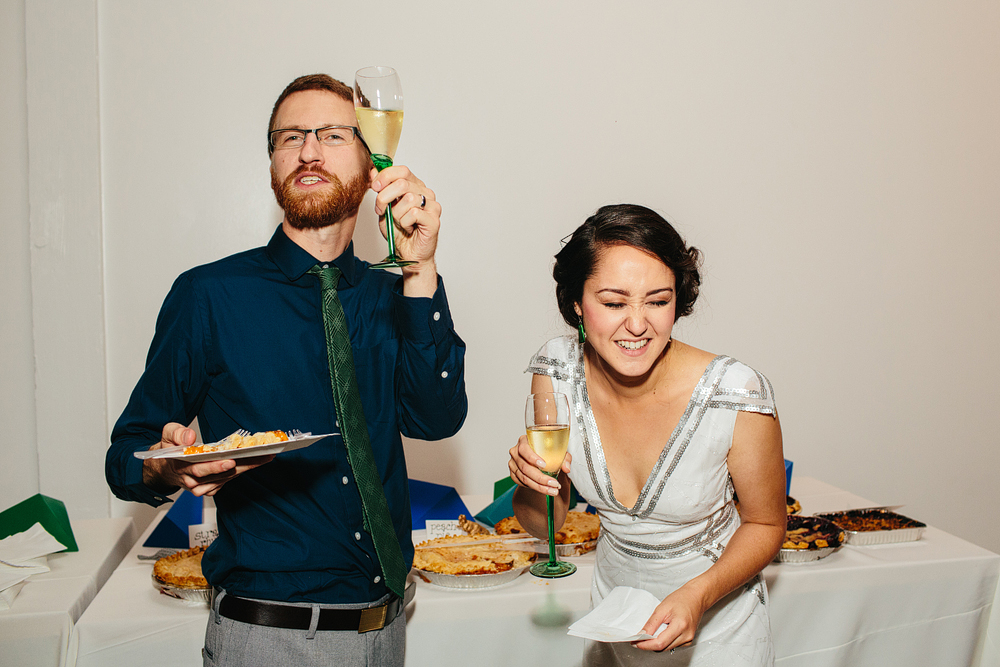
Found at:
(333, 135)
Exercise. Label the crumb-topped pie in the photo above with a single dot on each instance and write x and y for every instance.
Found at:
(579, 527)
(491, 558)
(182, 569)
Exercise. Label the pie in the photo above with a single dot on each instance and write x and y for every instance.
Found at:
(490, 558)
(182, 569)
(579, 527)
(810, 532)
(238, 440)
(872, 520)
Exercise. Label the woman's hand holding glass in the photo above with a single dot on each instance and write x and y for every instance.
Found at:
(528, 469)
(546, 421)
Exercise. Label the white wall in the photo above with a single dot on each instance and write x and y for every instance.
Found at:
(835, 163)
(19, 474)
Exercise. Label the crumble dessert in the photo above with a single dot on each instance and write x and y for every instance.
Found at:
(239, 440)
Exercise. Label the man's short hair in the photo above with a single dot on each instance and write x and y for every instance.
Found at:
(308, 82)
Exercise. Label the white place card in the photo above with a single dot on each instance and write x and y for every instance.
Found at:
(442, 528)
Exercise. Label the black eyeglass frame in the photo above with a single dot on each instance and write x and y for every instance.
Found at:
(357, 134)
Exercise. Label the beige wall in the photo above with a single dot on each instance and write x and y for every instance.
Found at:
(835, 163)
(19, 475)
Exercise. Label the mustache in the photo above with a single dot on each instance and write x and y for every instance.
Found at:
(314, 170)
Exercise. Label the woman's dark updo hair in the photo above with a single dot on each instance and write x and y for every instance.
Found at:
(630, 225)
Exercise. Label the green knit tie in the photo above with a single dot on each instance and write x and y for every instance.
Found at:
(354, 430)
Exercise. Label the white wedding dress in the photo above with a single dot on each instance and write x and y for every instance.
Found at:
(683, 517)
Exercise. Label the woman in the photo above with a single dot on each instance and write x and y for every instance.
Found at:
(663, 436)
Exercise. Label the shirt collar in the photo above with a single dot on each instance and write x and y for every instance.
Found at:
(294, 261)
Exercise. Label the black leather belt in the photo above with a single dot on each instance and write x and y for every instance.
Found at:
(275, 615)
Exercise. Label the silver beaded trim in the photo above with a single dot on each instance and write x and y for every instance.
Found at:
(706, 395)
(756, 586)
(705, 542)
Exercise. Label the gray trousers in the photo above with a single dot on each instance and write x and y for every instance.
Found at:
(229, 643)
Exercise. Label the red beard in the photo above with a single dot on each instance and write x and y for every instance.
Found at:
(327, 206)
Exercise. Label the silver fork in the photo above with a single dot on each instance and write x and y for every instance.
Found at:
(158, 555)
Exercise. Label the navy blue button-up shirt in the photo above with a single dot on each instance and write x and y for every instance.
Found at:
(239, 343)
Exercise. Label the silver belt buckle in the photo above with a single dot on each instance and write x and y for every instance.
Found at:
(372, 618)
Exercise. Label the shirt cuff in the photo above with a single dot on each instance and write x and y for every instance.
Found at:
(423, 319)
(137, 490)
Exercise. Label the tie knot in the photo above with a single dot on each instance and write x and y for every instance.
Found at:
(329, 276)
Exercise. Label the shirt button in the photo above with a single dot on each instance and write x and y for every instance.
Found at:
(345, 480)
(444, 374)
(378, 579)
(357, 536)
(437, 316)
(337, 423)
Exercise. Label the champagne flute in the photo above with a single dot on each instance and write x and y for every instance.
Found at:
(546, 418)
(378, 103)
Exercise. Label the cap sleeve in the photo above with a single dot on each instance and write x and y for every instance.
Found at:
(557, 359)
(744, 389)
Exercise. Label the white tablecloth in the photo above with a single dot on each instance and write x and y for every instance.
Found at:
(36, 630)
(921, 603)
(914, 603)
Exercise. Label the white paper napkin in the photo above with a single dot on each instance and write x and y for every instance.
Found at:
(22, 555)
(32, 543)
(619, 617)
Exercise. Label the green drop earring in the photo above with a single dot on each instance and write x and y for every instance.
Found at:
(581, 334)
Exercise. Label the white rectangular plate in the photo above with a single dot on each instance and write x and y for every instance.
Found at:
(289, 445)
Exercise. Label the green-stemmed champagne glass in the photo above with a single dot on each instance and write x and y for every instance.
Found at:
(378, 102)
(546, 418)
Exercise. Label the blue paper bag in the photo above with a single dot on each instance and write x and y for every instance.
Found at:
(434, 501)
(172, 531)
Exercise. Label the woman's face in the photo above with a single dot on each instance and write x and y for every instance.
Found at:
(628, 309)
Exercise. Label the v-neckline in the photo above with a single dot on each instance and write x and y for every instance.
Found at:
(667, 447)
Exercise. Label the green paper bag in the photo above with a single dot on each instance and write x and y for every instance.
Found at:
(502, 505)
(49, 512)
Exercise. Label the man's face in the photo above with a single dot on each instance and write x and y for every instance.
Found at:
(318, 185)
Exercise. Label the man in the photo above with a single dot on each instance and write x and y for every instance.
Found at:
(249, 342)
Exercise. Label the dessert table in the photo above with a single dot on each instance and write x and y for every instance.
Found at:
(922, 603)
(927, 602)
(37, 629)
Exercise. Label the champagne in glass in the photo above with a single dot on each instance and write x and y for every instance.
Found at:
(546, 419)
(550, 442)
(381, 130)
(378, 103)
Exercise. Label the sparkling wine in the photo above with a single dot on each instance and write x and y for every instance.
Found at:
(550, 442)
(381, 129)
